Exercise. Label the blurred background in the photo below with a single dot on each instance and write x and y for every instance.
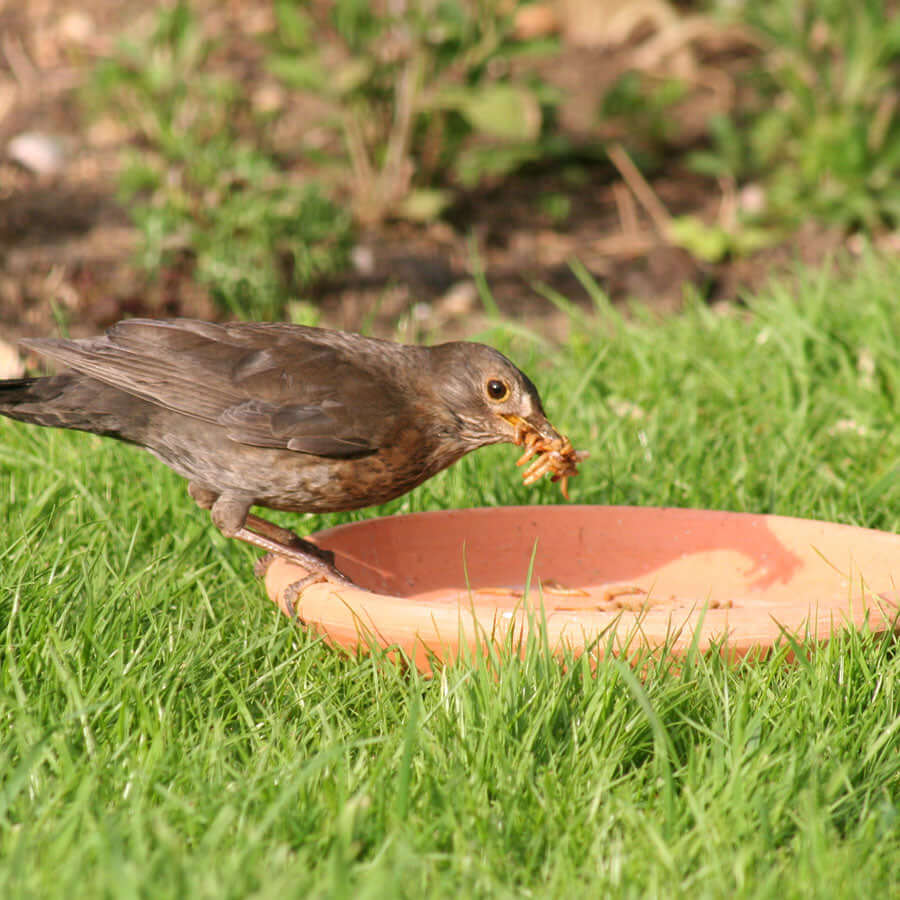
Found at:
(681, 219)
(407, 167)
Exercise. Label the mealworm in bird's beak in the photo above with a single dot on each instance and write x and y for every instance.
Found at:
(556, 456)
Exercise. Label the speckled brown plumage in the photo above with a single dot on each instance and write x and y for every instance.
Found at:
(282, 416)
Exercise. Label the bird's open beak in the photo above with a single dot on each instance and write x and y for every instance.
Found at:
(546, 451)
(536, 424)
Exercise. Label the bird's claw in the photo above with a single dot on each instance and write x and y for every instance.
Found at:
(294, 590)
(261, 566)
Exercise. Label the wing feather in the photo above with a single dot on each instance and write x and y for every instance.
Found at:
(281, 386)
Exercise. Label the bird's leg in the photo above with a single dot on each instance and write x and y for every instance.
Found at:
(294, 590)
(233, 518)
(204, 497)
(312, 562)
(318, 562)
(282, 536)
(286, 537)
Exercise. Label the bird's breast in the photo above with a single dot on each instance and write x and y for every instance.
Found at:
(300, 482)
(315, 484)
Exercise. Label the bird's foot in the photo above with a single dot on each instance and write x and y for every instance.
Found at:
(321, 567)
(307, 549)
(280, 542)
(289, 596)
(261, 566)
(327, 556)
(293, 592)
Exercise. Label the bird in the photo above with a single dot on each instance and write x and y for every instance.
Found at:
(288, 417)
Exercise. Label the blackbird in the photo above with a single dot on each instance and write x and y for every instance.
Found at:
(287, 417)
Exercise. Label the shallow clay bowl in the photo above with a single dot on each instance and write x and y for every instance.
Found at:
(603, 577)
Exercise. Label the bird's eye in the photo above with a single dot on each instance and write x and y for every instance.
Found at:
(497, 389)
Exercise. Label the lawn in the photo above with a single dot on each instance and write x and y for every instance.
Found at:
(167, 733)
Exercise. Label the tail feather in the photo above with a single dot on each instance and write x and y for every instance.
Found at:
(17, 395)
(67, 401)
(12, 388)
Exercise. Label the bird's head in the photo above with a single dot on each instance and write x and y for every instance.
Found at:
(486, 398)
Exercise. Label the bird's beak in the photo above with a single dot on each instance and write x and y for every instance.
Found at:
(545, 449)
(535, 424)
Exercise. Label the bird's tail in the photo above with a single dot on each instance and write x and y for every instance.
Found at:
(20, 397)
(76, 401)
(63, 401)
(13, 389)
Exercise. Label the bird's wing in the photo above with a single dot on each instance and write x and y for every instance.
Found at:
(268, 386)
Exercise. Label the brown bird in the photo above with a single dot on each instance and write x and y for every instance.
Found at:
(288, 417)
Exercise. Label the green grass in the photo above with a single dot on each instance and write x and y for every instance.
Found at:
(166, 733)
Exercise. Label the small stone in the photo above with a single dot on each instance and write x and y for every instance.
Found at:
(752, 199)
(77, 26)
(362, 258)
(42, 154)
(11, 365)
(269, 97)
(536, 20)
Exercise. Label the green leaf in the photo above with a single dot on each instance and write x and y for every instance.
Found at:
(480, 162)
(500, 110)
(351, 75)
(302, 72)
(713, 242)
(709, 242)
(295, 25)
(425, 204)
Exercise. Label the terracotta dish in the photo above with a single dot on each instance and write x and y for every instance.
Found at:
(602, 577)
